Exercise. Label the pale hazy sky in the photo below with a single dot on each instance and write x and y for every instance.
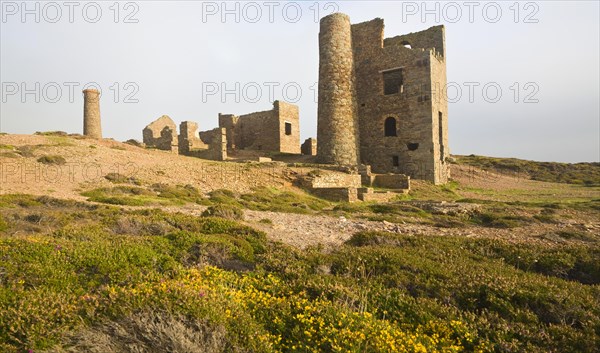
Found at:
(152, 58)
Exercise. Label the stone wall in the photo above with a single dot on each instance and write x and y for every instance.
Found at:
(288, 117)
(337, 125)
(189, 139)
(337, 194)
(335, 180)
(217, 145)
(230, 123)
(161, 134)
(370, 195)
(309, 147)
(391, 181)
(276, 130)
(333, 186)
(92, 126)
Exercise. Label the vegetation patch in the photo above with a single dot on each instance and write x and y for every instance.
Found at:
(179, 193)
(9, 154)
(52, 159)
(125, 195)
(499, 220)
(96, 277)
(157, 194)
(572, 173)
(133, 142)
(270, 199)
(224, 211)
(121, 179)
(51, 133)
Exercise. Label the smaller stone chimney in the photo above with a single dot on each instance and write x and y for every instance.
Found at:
(91, 113)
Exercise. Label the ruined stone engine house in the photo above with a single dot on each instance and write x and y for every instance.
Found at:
(377, 101)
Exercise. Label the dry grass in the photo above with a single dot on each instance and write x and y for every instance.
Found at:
(150, 332)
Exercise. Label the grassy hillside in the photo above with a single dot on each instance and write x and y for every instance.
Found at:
(576, 173)
(78, 277)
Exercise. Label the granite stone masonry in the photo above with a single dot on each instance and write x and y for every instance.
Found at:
(380, 101)
(91, 114)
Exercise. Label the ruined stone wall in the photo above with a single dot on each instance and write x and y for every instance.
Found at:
(309, 147)
(440, 119)
(427, 39)
(259, 131)
(230, 123)
(337, 194)
(161, 134)
(337, 125)
(92, 126)
(218, 145)
(189, 139)
(212, 144)
(289, 127)
(264, 131)
(391, 181)
(410, 146)
(335, 180)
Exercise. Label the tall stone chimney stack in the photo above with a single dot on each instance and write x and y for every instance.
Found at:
(337, 118)
(91, 113)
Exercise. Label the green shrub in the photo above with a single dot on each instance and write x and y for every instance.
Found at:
(179, 192)
(224, 211)
(223, 196)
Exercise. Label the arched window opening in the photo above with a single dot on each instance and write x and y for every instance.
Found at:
(412, 146)
(406, 44)
(390, 127)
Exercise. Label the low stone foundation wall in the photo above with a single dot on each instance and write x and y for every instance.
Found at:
(391, 181)
(368, 194)
(337, 194)
(335, 180)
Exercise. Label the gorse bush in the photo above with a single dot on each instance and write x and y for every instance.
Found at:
(99, 278)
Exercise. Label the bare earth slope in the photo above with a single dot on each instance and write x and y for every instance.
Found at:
(88, 161)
